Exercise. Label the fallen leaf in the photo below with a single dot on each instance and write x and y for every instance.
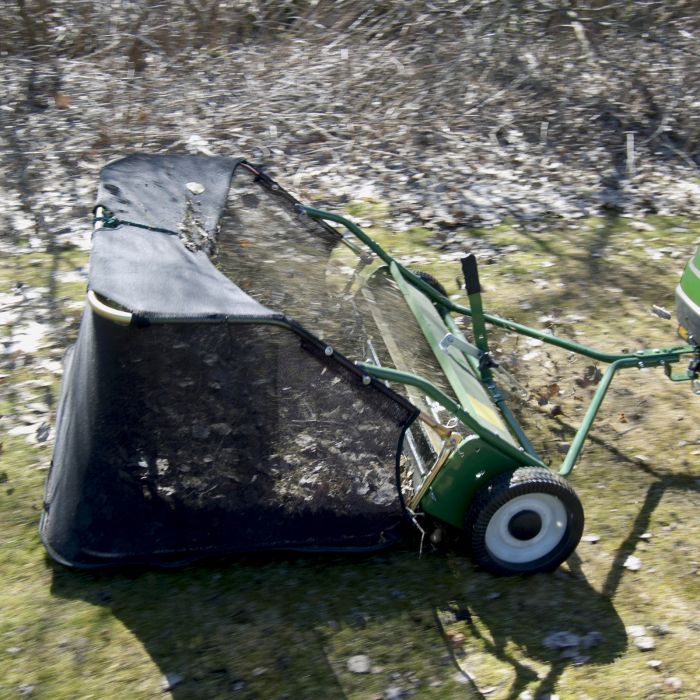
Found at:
(591, 375)
(62, 101)
(195, 187)
(170, 680)
(457, 639)
(644, 643)
(547, 392)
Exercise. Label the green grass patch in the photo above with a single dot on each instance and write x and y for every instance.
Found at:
(283, 626)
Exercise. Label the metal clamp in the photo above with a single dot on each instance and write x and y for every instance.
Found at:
(485, 360)
(443, 430)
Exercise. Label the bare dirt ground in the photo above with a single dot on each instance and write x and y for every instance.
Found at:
(454, 115)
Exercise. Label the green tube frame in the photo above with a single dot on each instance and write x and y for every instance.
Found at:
(526, 455)
(616, 361)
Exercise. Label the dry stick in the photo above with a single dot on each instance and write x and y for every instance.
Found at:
(580, 33)
(516, 83)
(630, 154)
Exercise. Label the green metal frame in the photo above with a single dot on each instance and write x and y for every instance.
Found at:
(488, 452)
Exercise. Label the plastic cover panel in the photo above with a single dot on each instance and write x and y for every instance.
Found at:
(179, 440)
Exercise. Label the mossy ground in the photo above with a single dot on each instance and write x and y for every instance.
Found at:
(284, 626)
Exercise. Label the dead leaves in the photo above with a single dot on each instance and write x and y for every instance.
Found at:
(591, 376)
(62, 101)
(545, 393)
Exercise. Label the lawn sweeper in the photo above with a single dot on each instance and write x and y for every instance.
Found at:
(238, 386)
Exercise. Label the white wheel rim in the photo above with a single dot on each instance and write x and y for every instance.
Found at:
(506, 547)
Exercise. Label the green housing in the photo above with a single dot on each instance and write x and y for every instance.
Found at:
(688, 298)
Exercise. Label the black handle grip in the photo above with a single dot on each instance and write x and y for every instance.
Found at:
(471, 274)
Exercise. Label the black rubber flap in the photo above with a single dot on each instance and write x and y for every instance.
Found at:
(155, 274)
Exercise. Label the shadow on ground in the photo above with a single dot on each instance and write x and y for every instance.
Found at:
(538, 626)
(284, 626)
(596, 276)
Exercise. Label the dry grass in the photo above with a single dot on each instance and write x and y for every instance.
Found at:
(445, 113)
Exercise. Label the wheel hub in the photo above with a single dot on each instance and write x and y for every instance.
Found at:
(526, 528)
(525, 525)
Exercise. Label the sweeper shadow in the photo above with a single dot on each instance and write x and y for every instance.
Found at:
(536, 627)
(284, 626)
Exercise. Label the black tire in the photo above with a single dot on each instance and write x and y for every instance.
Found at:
(429, 279)
(523, 522)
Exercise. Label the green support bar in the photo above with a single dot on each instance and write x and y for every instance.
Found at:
(579, 349)
(650, 358)
(582, 433)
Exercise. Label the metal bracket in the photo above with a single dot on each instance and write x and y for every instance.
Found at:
(450, 339)
(694, 370)
(448, 447)
(694, 366)
(486, 362)
(691, 374)
(484, 358)
(443, 430)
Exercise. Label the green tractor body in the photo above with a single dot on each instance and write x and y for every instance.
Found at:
(688, 299)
